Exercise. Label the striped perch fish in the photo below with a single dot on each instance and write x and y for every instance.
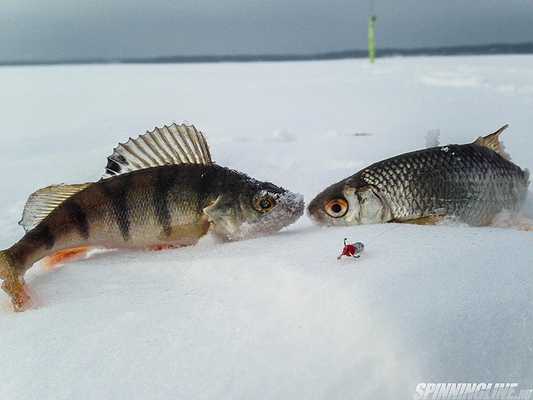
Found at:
(160, 190)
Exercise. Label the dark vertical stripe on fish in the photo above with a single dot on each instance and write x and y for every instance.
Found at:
(208, 178)
(41, 236)
(78, 217)
(118, 195)
(163, 183)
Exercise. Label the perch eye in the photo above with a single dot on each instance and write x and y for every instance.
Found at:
(265, 203)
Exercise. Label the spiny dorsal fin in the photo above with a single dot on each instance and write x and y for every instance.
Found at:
(492, 142)
(174, 144)
(44, 201)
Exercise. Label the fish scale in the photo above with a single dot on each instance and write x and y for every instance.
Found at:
(472, 182)
(468, 172)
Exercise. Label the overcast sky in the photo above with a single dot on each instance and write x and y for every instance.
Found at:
(55, 29)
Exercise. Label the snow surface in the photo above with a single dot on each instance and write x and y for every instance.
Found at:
(277, 317)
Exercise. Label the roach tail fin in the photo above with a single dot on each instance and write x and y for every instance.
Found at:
(13, 281)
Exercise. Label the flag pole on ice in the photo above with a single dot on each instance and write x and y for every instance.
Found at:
(372, 33)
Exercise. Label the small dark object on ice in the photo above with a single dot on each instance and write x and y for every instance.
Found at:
(352, 249)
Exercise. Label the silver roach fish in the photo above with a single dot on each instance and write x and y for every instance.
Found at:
(471, 182)
(160, 190)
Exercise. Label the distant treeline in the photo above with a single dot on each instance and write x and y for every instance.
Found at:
(516, 48)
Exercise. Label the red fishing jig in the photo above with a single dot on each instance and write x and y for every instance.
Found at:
(352, 249)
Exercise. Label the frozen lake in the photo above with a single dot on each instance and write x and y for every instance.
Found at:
(275, 317)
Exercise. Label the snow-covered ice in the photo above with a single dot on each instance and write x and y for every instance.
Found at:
(277, 317)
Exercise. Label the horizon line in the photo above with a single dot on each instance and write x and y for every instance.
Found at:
(484, 49)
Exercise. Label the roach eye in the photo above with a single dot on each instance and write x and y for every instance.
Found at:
(336, 208)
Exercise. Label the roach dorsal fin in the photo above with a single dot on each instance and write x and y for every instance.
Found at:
(493, 142)
(168, 145)
(41, 203)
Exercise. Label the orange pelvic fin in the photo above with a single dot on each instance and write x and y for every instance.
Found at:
(65, 256)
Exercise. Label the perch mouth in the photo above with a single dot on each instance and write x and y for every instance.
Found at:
(288, 210)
